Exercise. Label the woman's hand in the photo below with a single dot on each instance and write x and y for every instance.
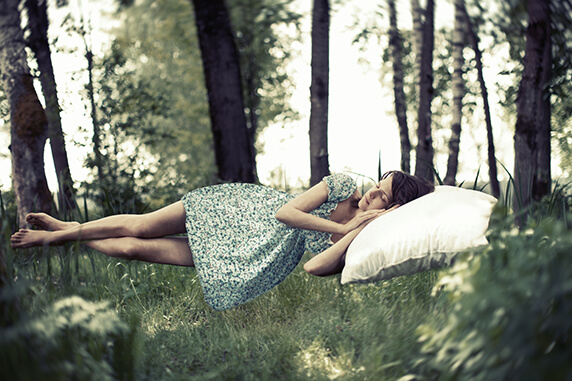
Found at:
(332, 260)
(365, 218)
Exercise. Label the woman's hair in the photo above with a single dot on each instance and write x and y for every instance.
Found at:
(406, 187)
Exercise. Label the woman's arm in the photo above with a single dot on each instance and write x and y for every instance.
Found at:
(332, 260)
(296, 213)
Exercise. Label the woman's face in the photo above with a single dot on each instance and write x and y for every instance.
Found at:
(378, 197)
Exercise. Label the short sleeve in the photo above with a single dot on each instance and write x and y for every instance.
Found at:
(340, 187)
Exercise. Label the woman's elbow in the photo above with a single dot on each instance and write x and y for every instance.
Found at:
(282, 215)
(318, 270)
(279, 215)
(312, 269)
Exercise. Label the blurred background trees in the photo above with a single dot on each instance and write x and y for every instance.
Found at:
(319, 91)
(148, 137)
(28, 121)
(153, 137)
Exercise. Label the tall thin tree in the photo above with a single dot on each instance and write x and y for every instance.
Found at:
(395, 43)
(474, 41)
(28, 121)
(233, 147)
(416, 13)
(98, 159)
(38, 41)
(458, 85)
(424, 151)
(319, 91)
(527, 118)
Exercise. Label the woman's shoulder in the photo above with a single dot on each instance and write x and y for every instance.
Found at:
(340, 186)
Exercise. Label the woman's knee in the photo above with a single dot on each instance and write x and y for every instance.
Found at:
(128, 248)
(138, 226)
(166, 221)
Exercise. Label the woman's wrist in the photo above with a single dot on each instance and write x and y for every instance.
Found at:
(342, 229)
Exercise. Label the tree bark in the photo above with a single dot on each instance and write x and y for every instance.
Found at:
(395, 44)
(458, 93)
(424, 151)
(96, 137)
(474, 40)
(542, 184)
(28, 122)
(234, 152)
(529, 93)
(319, 91)
(416, 13)
(38, 41)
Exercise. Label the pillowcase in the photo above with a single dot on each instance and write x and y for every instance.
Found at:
(423, 234)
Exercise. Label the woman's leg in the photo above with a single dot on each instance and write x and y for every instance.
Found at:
(167, 221)
(166, 250)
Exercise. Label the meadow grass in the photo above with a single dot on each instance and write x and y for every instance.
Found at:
(155, 324)
(306, 328)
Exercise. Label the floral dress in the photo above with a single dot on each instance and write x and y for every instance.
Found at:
(240, 249)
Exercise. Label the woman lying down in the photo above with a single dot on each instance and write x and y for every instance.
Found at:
(243, 239)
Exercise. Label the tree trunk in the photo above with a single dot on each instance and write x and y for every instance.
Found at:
(234, 153)
(400, 103)
(38, 41)
(28, 122)
(424, 151)
(474, 40)
(542, 185)
(96, 137)
(529, 93)
(319, 91)
(458, 93)
(250, 72)
(416, 13)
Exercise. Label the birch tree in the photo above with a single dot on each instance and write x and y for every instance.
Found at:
(416, 12)
(474, 41)
(424, 152)
(38, 41)
(458, 86)
(395, 44)
(28, 121)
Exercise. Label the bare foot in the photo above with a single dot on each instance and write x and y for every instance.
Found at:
(30, 238)
(45, 222)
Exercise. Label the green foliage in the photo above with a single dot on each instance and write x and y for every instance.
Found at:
(265, 32)
(509, 25)
(511, 308)
(306, 328)
(153, 107)
(375, 30)
(499, 313)
(71, 339)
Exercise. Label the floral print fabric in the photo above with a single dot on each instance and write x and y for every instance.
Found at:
(239, 248)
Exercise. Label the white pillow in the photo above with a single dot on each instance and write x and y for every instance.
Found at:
(423, 234)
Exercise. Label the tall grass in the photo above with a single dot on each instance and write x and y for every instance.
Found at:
(145, 321)
(306, 328)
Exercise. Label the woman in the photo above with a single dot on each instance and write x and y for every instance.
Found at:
(243, 239)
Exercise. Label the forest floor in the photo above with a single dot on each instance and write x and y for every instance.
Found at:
(70, 313)
(306, 328)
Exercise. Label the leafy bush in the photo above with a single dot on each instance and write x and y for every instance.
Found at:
(72, 339)
(511, 305)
